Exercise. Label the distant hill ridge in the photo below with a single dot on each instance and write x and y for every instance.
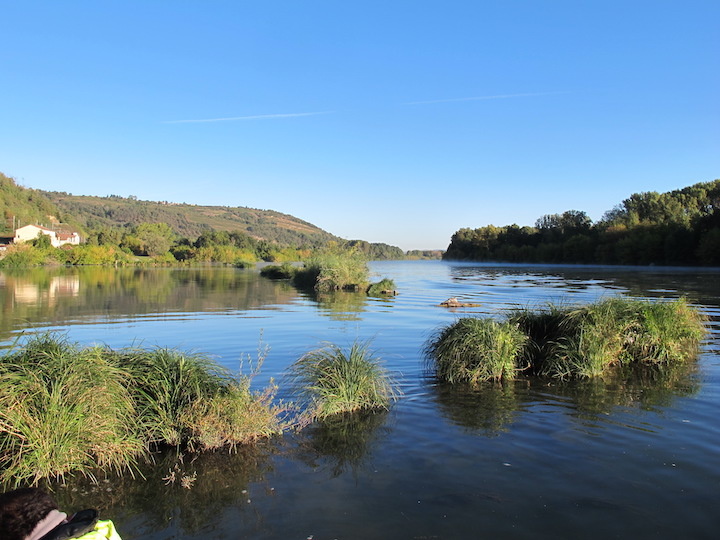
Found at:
(22, 206)
(189, 220)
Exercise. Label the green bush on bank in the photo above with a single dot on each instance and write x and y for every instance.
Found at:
(66, 409)
(568, 343)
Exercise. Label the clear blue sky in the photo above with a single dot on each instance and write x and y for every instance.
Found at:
(391, 121)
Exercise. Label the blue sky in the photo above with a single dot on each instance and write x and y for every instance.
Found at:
(393, 121)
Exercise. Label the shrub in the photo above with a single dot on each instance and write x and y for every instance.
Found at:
(336, 381)
(473, 350)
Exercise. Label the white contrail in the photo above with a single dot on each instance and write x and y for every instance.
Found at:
(252, 117)
(482, 98)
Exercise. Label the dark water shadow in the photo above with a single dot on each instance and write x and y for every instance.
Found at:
(342, 443)
(186, 493)
(490, 408)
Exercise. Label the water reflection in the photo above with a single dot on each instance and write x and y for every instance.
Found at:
(85, 294)
(183, 493)
(341, 305)
(342, 443)
(644, 387)
(491, 408)
(488, 409)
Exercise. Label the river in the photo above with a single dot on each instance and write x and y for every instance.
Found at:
(532, 459)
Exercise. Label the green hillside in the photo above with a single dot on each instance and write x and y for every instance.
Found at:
(188, 220)
(22, 206)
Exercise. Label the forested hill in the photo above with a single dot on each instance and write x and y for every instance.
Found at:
(20, 206)
(680, 227)
(188, 220)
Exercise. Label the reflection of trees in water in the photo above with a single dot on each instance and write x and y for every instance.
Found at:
(156, 498)
(488, 407)
(491, 407)
(342, 441)
(34, 295)
(341, 305)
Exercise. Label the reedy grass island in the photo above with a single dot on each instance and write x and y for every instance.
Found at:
(564, 343)
(333, 269)
(333, 381)
(474, 350)
(67, 409)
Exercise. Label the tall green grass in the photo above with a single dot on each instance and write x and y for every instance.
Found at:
(66, 409)
(333, 270)
(473, 350)
(333, 380)
(568, 342)
(587, 341)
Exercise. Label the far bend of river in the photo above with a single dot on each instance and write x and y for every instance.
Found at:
(528, 460)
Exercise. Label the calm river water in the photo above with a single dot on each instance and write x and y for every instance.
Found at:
(533, 459)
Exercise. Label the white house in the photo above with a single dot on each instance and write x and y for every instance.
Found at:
(57, 238)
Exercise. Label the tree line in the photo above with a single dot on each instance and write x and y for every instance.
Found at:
(678, 228)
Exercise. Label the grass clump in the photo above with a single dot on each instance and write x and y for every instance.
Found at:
(587, 341)
(334, 269)
(283, 271)
(473, 350)
(64, 409)
(167, 383)
(336, 381)
(383, 287)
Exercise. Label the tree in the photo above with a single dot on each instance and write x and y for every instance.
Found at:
(154, 238)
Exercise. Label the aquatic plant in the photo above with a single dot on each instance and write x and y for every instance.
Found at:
(334, 269)
(68, 409)
(333, 380)
(473, 350)
(383, 287)
(167, 383)
(283, 271)
(587, 341)
(63, 409)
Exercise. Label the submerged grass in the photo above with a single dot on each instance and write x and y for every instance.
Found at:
(333, 380)
(473, 350)
(66, 409)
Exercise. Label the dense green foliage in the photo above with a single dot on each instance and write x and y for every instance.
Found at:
(681, 227)
(568, 342)
(66, 409)
(377, 251)
(335, 381)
